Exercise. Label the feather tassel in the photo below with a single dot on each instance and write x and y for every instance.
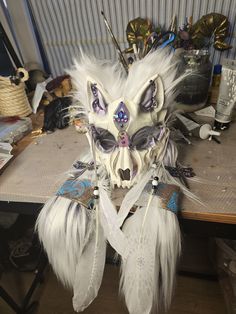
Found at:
(90, 268)
(108, 216)
(132, 196)
(147, 274)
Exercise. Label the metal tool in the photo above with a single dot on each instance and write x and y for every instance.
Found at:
(121, 57)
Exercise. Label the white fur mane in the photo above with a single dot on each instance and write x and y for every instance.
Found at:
(117, 84)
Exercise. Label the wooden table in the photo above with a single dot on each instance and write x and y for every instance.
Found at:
(214, 163)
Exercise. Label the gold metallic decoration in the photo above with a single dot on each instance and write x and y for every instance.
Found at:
(138, 32)
(210, 25)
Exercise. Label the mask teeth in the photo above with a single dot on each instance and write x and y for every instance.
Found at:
(125, 184)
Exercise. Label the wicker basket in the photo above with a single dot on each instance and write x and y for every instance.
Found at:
(13, 99)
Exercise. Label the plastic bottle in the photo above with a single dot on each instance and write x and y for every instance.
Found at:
(192, 128)
(215, 84)
(227, 95)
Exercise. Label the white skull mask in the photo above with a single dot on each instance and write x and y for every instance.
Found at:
(127, 129)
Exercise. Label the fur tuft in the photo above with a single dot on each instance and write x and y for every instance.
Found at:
(64, 228)
(117, 84)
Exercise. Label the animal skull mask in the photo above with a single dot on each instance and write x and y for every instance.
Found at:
(125, 114)
(127, 134)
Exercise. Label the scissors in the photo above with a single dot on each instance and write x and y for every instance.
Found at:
(162, 40)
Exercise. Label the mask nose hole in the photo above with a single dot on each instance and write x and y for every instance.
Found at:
(124, 174)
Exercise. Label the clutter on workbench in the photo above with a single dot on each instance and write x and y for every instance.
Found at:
(56, 114)
(36, 75)
(227, 95)
(13, 98)
(14, 128)
(194, 88)
(215, 84)
(56, 102)
(5, 154)
(192, 128)
(196, 39)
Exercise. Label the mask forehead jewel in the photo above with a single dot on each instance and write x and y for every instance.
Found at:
(121, 116)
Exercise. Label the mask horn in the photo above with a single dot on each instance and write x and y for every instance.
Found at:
(96, 99)
(152, 96)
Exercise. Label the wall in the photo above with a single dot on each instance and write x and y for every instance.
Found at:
(67, 25)
(24, 31)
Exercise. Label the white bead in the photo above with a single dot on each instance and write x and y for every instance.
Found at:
(95, 192)
(155, 182)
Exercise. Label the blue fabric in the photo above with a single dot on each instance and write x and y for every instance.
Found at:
(173, 202)
(77, 190)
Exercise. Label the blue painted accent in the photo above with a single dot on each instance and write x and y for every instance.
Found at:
(168, 41)
(74, 189)
(173, 202)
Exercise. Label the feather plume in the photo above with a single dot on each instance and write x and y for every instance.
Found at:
(147, 274)
(64, 226)
(90, 267)
(108, 217)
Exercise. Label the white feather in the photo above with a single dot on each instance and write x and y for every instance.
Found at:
(63, 227)
(108, 217)
(147, 274)
(132, 196)
(138, 274)
(90, 268)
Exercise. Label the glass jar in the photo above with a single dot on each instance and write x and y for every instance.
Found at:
(193, 90)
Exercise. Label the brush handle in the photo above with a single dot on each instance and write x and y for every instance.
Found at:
(122, 59)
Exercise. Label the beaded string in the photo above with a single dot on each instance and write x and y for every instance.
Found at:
(95, 195)
(155, 182)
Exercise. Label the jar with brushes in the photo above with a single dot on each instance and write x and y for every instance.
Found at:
(193, 89)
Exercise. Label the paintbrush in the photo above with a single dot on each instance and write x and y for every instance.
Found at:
(122, 59)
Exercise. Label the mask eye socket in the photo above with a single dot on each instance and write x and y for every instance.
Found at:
(103, 139)
(145, 138)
